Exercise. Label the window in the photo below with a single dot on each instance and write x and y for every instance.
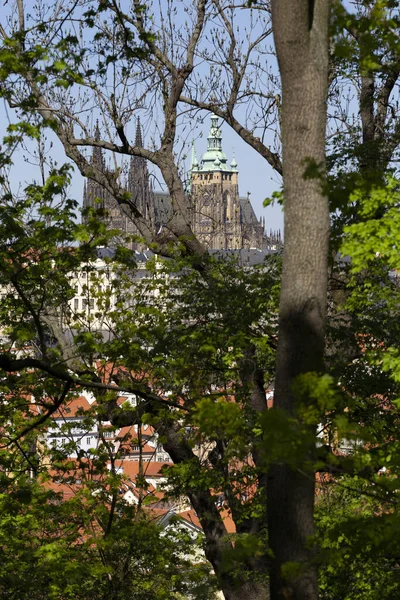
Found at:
(89, 441)
(76, 288)
(108, 434)
(76, 304)
(88, 302)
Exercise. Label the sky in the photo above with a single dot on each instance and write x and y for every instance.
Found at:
(255, 175)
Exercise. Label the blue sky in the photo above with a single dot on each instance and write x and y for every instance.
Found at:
(255, 175)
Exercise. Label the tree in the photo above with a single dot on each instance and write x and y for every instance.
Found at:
(301, 39)
(136, 44)
(93, 541)
(140, 51)
(357, 564)
(152, 349)
(89, 542)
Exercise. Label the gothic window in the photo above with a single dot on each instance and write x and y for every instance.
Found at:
(229, 207)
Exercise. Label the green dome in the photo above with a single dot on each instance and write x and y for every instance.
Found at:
(214, 159)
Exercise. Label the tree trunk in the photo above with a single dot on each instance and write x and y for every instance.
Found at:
(246, 584)
(301, 39)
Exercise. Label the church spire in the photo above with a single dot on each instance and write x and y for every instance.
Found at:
(97, 131)
(138, 135)
(139, 181)
(97, 154)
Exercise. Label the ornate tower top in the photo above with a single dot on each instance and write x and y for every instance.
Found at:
(214, 159)
(97, 152)
(233, 163)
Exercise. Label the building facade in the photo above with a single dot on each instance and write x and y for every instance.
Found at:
(138, 185)
(220, 217)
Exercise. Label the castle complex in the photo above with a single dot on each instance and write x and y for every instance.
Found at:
(220, 218)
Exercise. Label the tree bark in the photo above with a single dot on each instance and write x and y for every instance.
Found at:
(235, 585)
(301, 39)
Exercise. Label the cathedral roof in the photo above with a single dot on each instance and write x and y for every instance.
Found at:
(249, 216)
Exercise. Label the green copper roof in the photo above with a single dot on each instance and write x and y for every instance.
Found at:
(214, 159)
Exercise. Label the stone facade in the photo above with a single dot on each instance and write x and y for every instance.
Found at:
(220, 218)
(138, 184)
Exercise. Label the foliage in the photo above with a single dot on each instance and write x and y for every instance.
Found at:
(195, 341)
(161, 327)
(53, 547)
(359, 547)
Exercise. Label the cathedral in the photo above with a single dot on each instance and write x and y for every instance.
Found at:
(138, 185)
(220, 217)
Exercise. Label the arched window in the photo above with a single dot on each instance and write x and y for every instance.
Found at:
(229, 207)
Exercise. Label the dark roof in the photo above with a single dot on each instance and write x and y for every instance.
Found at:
(103, 252)
(140, 255)
(249, 216)
(245, 256)
(163, 209)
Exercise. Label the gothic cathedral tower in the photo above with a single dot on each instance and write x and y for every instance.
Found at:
(220, 218)
(215, 202)
(138, 185)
